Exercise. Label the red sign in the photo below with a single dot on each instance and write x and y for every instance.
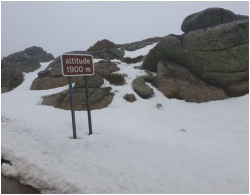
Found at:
(77, 65)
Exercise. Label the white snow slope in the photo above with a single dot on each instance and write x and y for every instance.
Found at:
(178, 147)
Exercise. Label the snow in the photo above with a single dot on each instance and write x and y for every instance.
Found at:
(136, 147)
(143, 51)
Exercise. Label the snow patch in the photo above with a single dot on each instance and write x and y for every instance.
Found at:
(143, 51)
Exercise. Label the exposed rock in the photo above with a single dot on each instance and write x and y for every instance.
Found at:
(55, 99)
(108, 54)
(238, 89)
(129, 60)
(10, 79)
(103, 44)
(130, 97)
(117, 79)
(27, 60)
(94, 81)
(51, 82)
(141, 88)
(105, 67)
(39, 54)
(24, 65)
(148, 78)
(99, 97)
(54, 69)
(175, 81)
(217, 55)
(209, 17)
(15, 64)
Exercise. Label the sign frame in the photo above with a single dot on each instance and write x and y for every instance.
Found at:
(86, 56)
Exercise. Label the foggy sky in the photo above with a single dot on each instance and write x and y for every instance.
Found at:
(59, 27)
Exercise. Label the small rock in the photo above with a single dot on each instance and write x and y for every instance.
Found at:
(159, 106)
(130, 97)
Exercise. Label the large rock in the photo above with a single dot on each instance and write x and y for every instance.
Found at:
(15, 64)
(175, 81)
(217, 55)
(99, 98)
(103, 44)
(209, 17)
(27, 60)
(39, 54)
(141, 88)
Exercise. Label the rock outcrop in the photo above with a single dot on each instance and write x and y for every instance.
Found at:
(208, 18)
(216, 55)
(15, 64)
(103, 44)
(99, 97)
(175, 81)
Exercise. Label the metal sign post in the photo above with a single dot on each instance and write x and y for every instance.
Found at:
(72, 108)
(78, 65)
(88, 104)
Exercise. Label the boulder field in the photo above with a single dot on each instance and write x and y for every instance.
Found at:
(209, 61)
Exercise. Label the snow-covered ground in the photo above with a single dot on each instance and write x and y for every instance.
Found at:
(177, 147)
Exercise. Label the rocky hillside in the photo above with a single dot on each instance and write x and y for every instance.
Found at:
(208, 62)
(25, 61)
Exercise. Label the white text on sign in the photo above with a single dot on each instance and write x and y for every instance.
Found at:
(77, 61)
(77, 69)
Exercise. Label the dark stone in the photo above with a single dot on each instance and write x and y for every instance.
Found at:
(103, 44)
(39, 54)
(10, 79)
(208, 18)
(130, 97)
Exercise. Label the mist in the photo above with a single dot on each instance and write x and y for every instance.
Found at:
(59, 27)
